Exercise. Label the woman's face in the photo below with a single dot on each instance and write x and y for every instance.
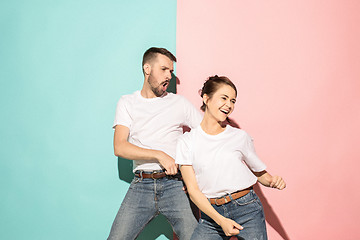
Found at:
(221, 104)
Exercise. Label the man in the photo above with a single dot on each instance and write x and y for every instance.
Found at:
(147, 125)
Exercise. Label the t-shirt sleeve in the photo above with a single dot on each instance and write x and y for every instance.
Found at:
(192, 115)
(251, 158)
(183, 152)
(122, 116)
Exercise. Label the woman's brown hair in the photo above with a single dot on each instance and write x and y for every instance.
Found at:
(212, 85)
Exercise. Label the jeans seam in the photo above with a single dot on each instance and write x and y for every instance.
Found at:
(246, 203)
(143, 227)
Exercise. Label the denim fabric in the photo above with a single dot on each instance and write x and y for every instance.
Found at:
(247, 211)
(147, 198)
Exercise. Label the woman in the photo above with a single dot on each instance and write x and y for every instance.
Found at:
(212, 159)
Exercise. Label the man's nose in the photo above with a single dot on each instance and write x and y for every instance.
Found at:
(168, 75)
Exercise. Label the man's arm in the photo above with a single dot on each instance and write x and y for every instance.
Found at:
(124, 149)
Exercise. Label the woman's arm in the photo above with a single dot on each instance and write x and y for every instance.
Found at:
(270, 181)
(229, 226)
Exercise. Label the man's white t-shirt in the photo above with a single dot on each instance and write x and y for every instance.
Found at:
(155, 123)
(219, 160)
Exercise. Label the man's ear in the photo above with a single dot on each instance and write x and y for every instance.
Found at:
(147, 69)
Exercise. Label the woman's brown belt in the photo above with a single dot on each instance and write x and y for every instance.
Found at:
(225, 199)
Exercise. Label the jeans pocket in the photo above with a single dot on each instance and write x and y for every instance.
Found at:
(136, 180)
(259, 203)
(245, 200)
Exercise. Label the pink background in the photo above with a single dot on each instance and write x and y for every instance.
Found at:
(296, 65)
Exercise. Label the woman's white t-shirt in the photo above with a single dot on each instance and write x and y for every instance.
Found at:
(221, 162)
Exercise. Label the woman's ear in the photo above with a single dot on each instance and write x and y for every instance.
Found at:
(147, 69)
(205, 99)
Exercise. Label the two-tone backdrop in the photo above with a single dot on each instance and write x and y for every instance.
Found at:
(64, 65)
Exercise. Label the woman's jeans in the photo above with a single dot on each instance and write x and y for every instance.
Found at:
(247, 211)
(147, 198)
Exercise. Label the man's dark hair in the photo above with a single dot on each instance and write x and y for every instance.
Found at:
(151, 53)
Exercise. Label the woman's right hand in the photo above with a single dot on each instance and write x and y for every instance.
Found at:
(230, 227)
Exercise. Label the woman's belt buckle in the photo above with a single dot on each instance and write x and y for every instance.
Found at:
(225, 199)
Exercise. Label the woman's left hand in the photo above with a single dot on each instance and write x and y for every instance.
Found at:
(267, 180)
(277, 182)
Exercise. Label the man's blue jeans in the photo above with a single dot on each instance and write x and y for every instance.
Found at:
(247, 211)
(147, 198)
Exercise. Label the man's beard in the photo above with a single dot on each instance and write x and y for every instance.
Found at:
(158, 91)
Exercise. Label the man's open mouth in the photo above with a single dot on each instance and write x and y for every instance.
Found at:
(165, 85)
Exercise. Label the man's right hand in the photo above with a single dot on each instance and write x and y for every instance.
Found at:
(167, 162)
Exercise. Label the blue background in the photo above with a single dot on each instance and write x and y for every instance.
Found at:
(63, 67)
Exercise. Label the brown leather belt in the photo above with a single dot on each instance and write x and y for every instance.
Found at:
(153, 175)
(225, 199)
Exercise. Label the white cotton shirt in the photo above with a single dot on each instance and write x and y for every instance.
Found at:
(155, 123)
(221, 162)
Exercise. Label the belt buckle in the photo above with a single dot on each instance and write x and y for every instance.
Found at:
(154, 172)
(218, 204)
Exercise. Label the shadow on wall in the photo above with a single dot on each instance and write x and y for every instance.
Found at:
(159, 225)
(270, 216)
